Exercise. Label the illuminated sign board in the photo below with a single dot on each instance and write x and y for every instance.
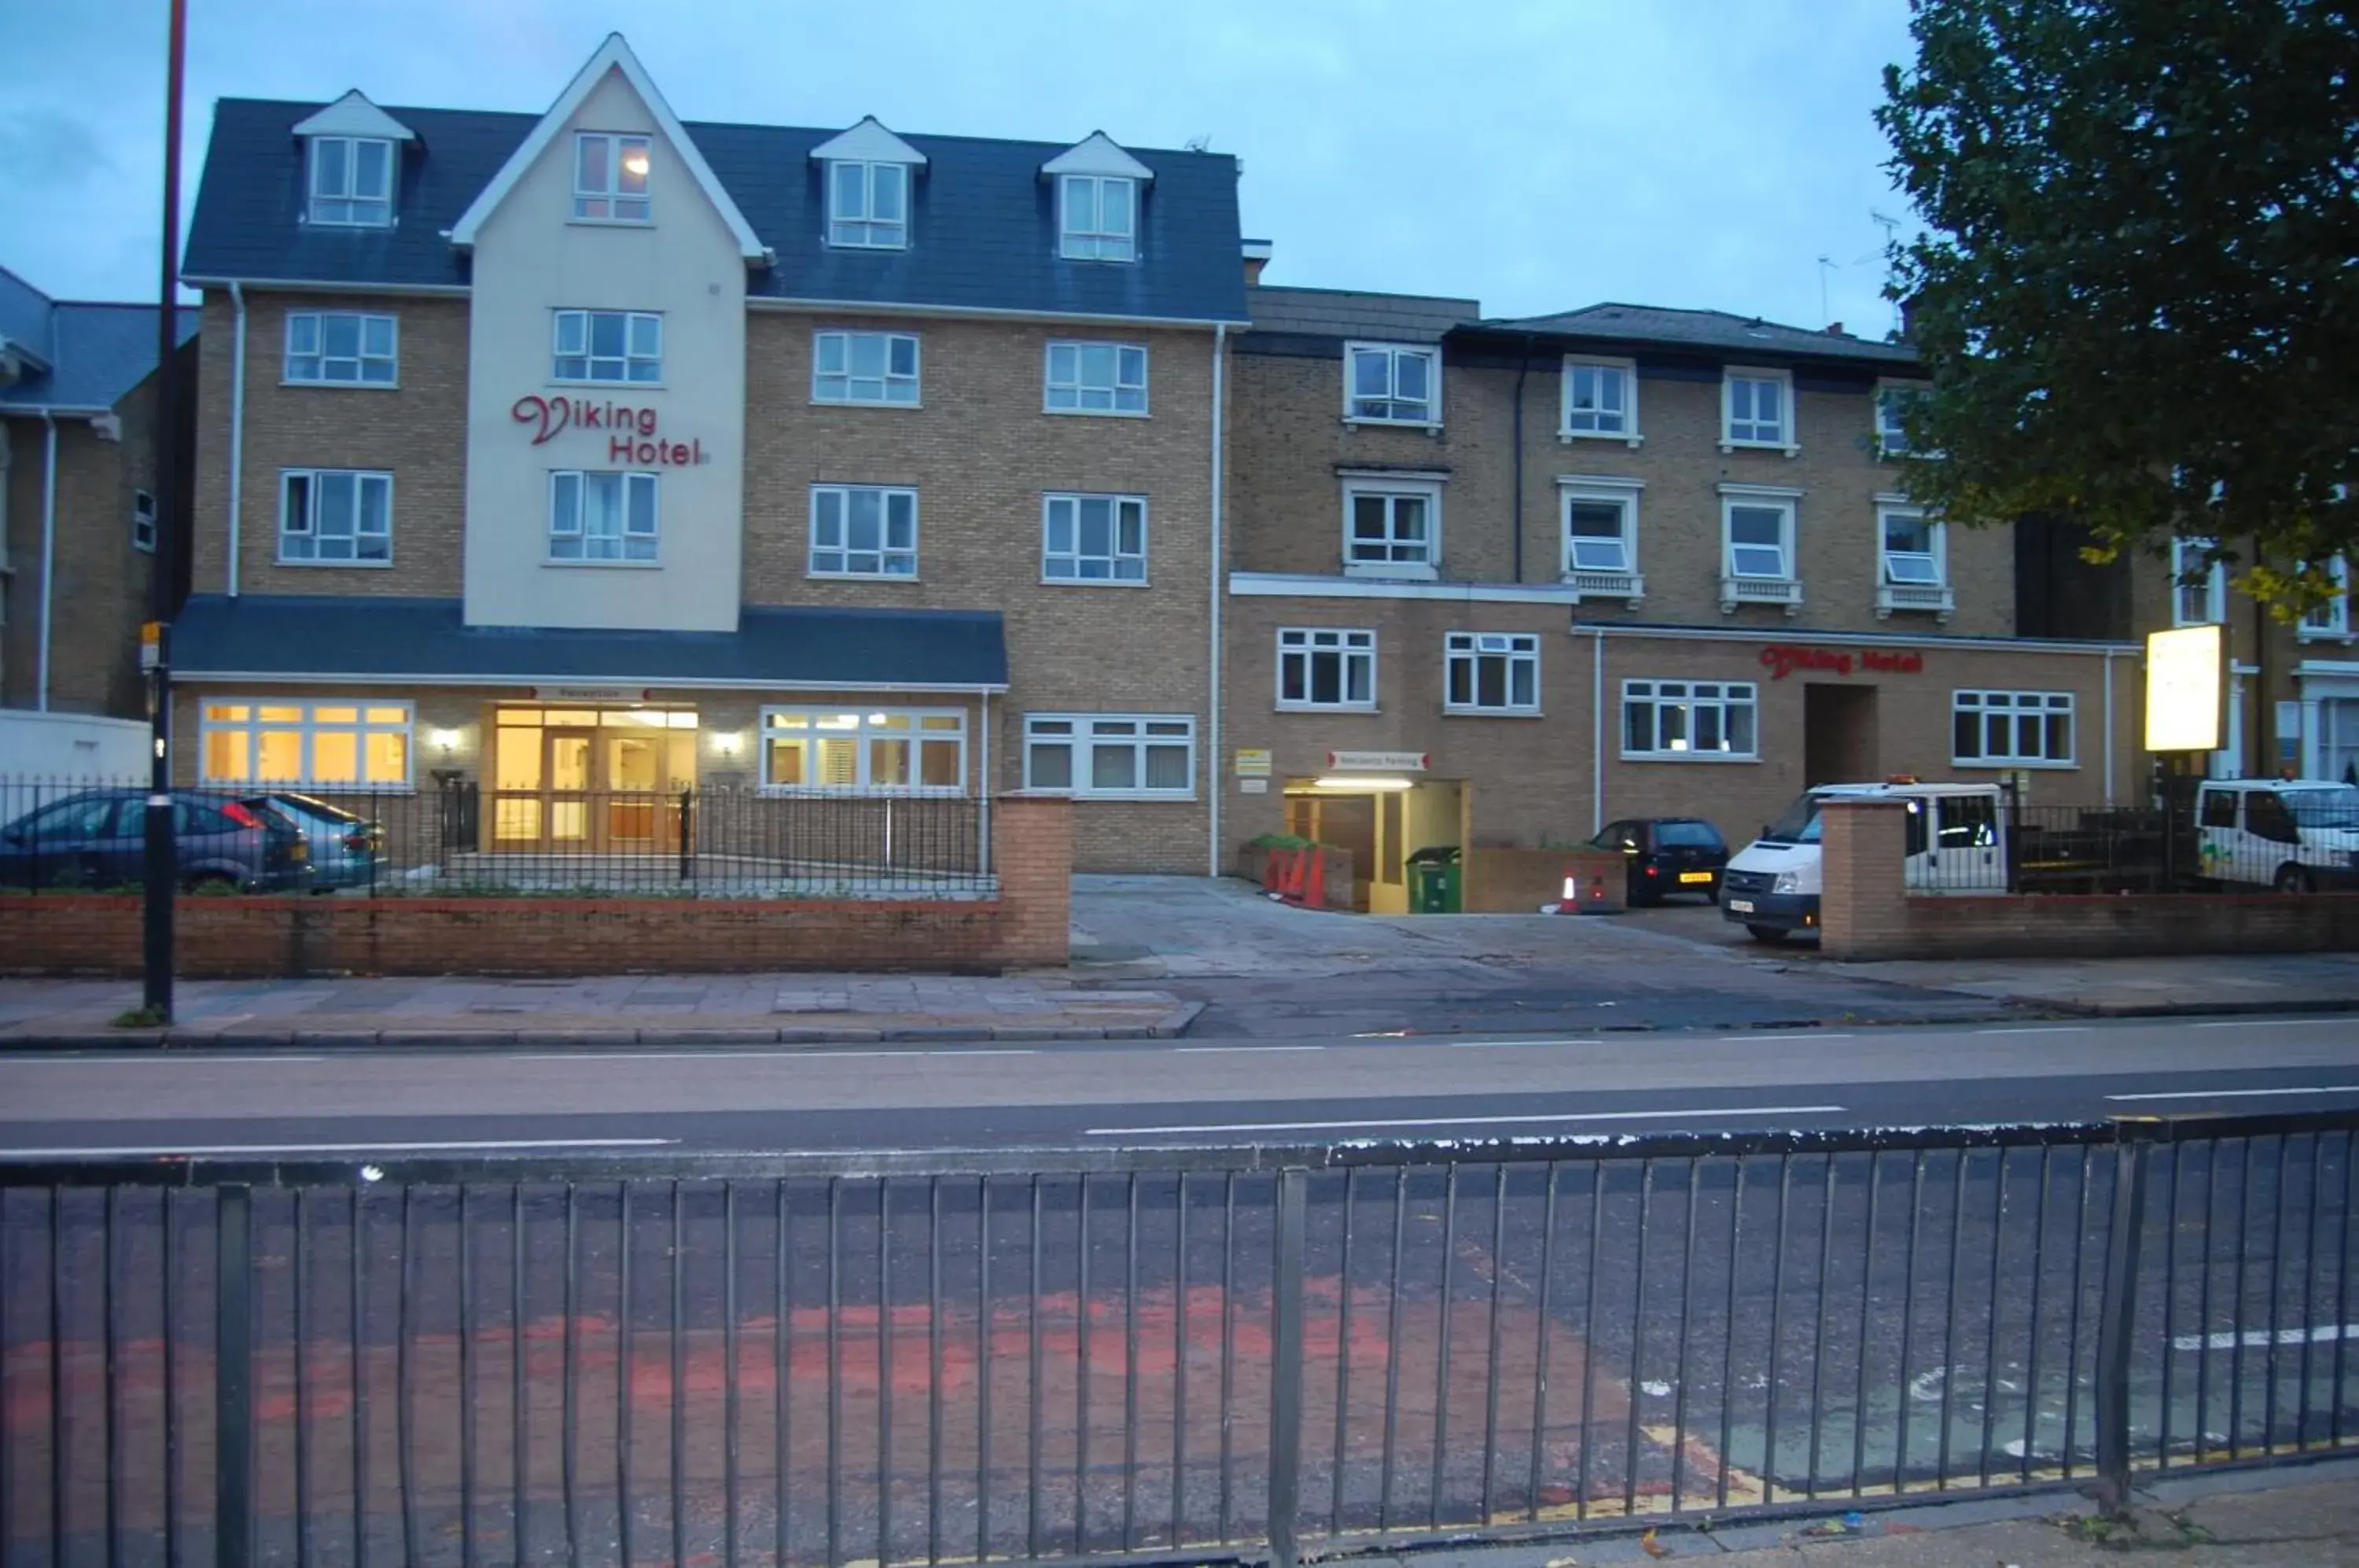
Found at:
(2184, 686)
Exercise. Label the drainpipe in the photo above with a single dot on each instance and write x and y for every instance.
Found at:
(1597, 730)
(49, 553)
(236, 427)
(1522, 370)
(1220, 356)
(2109, 726)
(2263, 759)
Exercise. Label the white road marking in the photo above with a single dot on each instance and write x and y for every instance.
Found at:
(2242, 1093)
(177, 1058)
(1814, 1034)
(1496, 1044)
(979, 1052)
(1469, 1121)
(472, 1145)
(2259, 1338)
(2039, 1029)
(2264, 1023)
(1216, 1050)
(822, 1052)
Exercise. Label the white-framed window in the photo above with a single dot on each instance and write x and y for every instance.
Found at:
(1138, 756)
(610, 178)
(1491, 673)
(1756, 408)
(868, 205)
(916, 751)
(1600, 526)
(1096, 378)
(1093, 539)
(1601, 398)
(2199, 594)
(143, 520)
(1691, 721)
(864, 530)
(1912, 549)
(1392, 384)
(607, 346)
(1392, 526)
(335, 517)
(1893, 400)
(2331, 618)
(342, 348)
(1758, 535)
(340, 742)
(864, 367)
(601, 517)
(1320, 668)
(1098, 217)
(351, 182)
(1988, 729)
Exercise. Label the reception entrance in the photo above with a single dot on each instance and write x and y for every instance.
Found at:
(589, 781)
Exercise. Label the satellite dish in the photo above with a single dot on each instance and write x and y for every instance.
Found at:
(1198, 143)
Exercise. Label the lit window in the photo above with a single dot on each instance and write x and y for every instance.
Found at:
(1699, 721)
(341, 348)
(608, 345)
(1386, 384)
(1097, 378)
(1392, 528)
(351, 182)
(864, 367)
(1094, 539)
(601, 517)
(610, 178)
(143, 520)
(339, 743)
(916, 750)
(1492, 672)
(1756, 403)
(868, 205)
(1099, 217)
(335, 517)
(1133, 754)
(864, 530)
(1990, 728)
(1321, 668)
(1601, 398)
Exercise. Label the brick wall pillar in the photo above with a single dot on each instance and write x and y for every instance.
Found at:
(1864, 906)
(1032, 847)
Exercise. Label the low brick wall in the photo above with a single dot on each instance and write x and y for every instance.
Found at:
(1866, 914)
(1518, 881)
(231, 937)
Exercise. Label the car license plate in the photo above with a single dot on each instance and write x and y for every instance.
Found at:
(1740, 906)
(1695, 875)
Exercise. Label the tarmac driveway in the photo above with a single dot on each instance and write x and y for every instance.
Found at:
(1266, 969)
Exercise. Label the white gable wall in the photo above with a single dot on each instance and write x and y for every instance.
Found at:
(531, 259)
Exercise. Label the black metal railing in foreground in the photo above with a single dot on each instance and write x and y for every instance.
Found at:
(463, 839)
(776, 1359)
(1982, 844)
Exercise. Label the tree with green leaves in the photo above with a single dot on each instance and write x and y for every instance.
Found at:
(2138, 290)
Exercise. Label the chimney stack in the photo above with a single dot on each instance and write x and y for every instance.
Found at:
(1257, 257)
(1834, 329)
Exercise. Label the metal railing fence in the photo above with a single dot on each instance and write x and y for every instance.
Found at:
(464, 839)
(923, 1359)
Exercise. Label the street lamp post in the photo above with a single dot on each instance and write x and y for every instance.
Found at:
(162, 869)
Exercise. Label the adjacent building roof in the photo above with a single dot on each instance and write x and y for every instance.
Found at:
(89, 354)
(1347, 313)
(983, 223)
(344, 638)
(1717, 330)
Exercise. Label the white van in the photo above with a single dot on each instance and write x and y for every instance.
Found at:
(2295, 835)
(1954, 846)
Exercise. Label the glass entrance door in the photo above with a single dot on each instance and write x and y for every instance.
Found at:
(568, 779)
(589, 781)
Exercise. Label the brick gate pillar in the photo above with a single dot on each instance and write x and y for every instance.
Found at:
(1863, 904)
(1032, 848)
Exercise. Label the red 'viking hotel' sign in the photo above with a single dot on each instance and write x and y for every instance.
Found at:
(634, 440)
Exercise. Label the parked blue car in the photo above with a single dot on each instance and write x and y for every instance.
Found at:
(97, 838)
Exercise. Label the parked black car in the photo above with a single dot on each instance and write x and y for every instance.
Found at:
(97, 838)
(1667, 854)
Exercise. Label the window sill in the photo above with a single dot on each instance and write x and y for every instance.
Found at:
(364, 565)
(1449, 712)
(835, 244)
(1172, 796)
(1708, 757)
(1096, 583)
(1433, 426)
(1632, 441)
(861, 576)
(609, 386)
(1783, 592)
(606, 565)
(1401, 572)
(312, 222)
(1063, 254)
(1991, 764)
(861, 402)
(266, 785)
(2317, 634)
(1789, 448)
(1326, 708)
(341, 386)
(866, 791)
(611, 223)
(1097, 413)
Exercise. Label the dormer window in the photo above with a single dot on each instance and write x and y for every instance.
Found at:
(351, 182)
(1100, 219)
(610, 178)
(868, 205)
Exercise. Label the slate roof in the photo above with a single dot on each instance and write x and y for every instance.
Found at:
(96, 352)
(1346, 313)
(330, 638)
(1656, 324)
(982, 222)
